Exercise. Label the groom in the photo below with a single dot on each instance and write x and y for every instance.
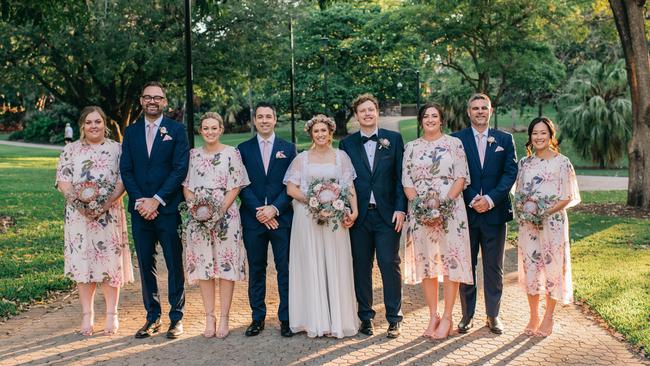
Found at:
(266, 215)
(492, 169)
(154, 163)
(376, 155)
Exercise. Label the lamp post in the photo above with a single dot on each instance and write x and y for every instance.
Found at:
(325, 41)
(189, 88)
(292, 77)
(417, 92)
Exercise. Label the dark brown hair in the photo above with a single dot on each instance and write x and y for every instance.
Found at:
(153, 83)
(438, 108)
(362, 99)
(551, 129)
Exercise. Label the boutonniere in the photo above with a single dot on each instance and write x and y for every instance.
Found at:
(163, 130)
(280, 155)
(490, 140)
(384, 144)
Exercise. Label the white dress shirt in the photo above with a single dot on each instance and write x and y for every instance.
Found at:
(485, 136)
(260, 144)
(371, 147)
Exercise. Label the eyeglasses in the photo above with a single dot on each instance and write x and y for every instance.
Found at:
(149, 98)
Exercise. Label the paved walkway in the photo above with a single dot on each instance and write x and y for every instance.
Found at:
(46, 335)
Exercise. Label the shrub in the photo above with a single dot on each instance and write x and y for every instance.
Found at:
(16, 135)
(48, 126)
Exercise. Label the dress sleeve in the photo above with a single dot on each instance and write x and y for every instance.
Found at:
(569, 183)
(65, 168)
(461, 169)
(237, 176)
(347, 172)
(407, 165)
(519, 183)
(294, 173)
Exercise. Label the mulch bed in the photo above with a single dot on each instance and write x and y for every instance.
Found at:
(612, 209)
(6, 222)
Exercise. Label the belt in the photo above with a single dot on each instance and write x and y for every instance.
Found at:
(372, 206)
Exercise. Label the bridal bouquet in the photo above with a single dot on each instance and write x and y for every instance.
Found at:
(202, 212)
(90, 196)
(430, 210)
(530, 209)
(327, 201)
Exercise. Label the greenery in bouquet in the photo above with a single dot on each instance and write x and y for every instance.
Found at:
(327, 201)
(530, 209)
(430, 210)
(91, 196)
(202, 213)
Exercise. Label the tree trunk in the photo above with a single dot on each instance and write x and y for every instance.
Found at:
(341, 120)
(629, 18)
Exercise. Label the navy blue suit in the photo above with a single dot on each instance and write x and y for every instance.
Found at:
(487, 231)
(266, 189)
(159, 174)
(373, 230)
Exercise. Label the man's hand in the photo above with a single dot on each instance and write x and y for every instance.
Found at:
(398, 219)
(265, 213)
(272, 224)
(481, 205)
(348, 219)
(148, 208)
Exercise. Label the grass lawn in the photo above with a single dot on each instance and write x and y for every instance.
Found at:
(611, 255)
(4, 136)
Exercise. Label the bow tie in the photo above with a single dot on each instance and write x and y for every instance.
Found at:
(365, 139)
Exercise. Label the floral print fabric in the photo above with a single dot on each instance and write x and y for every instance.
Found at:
(220, 253)
(544, 258)
(430, 251)
(95, 250)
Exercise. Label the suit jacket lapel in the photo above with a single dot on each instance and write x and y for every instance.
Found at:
(257, 154)
(362, 152)
(489, 148)
(277, 145)
(378, 151)
(157, 139)
(473, 148)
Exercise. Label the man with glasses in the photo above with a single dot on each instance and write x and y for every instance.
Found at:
(154, 163)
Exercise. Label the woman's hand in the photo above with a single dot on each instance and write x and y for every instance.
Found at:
(349, 219)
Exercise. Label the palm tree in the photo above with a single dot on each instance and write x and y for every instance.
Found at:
(595, 111)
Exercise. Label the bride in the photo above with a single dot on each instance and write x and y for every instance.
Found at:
(321, 283)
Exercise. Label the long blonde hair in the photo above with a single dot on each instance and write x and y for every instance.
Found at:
(82, 120)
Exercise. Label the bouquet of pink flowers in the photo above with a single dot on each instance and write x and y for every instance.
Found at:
(530, 209)
(430, 210)
(90, 196)
(202, 211)
(327, 201)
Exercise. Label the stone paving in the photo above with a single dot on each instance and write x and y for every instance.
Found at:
(47, 334)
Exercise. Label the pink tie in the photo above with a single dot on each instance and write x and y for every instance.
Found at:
(266, 154)
(151, 135)
(481, 147)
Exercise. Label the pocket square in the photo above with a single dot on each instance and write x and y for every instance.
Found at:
(499, 148)
(167, 138)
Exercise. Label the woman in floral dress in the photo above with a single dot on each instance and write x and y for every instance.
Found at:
(216, 171)
(435, 164)
(546, 187)
(96, 242)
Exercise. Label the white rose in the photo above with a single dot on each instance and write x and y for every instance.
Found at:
(313, 202)
(103, 191)
(318, 187)
(339, 205)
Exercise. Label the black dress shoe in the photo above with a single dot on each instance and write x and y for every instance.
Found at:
(366, 327)
(466, 323)
(148, 329)
(393, 330)
(255, 328)
(175, 329)
(285, 330)
(495, 324)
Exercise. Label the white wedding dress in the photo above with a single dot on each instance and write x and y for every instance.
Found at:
(321, 281)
